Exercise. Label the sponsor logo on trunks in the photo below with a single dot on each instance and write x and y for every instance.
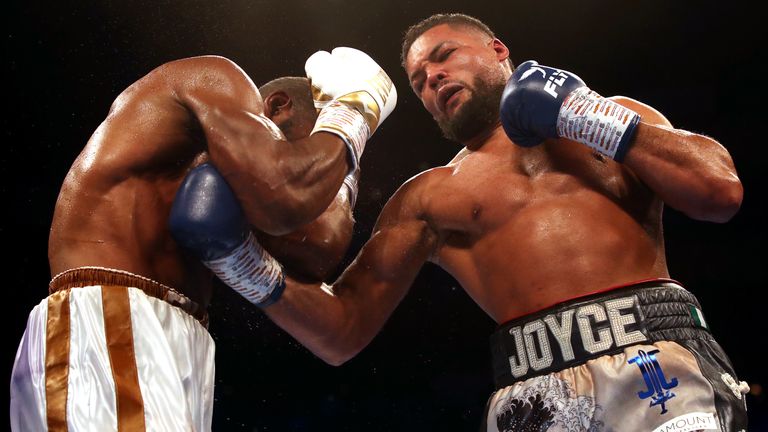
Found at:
(695, 421)
(658, 386)
(554, 340)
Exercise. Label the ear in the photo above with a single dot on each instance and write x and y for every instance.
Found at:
(502, 52)
(278, 106)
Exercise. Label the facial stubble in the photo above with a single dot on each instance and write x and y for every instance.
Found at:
(479, 113)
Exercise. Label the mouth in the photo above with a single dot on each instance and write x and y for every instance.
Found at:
(445, 95)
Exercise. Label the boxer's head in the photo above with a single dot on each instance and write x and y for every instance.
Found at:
(288, 103)
(458, 68)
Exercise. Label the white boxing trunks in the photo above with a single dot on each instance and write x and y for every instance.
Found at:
(111, 351)
(634, 358)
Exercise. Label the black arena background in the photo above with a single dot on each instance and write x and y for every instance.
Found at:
(429, 369)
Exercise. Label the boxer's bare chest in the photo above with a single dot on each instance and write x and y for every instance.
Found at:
(485, 190)
(536, 225)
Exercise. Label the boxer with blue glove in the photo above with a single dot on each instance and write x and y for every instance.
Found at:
(550, 219)
(123, 329)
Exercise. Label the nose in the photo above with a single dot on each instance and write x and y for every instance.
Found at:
(435, 74)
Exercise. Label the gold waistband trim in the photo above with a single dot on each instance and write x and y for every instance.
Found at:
(90, 276)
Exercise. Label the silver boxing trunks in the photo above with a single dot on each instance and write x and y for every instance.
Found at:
(634, 358)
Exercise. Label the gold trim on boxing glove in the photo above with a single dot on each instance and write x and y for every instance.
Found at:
(363, 101)
(383, 85)
(321, 99)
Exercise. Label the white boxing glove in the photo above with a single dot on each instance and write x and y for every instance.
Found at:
(353, 94)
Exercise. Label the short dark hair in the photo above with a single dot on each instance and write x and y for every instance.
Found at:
(452, 19)
(297, 88)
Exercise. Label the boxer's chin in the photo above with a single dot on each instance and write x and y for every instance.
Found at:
(476, 115)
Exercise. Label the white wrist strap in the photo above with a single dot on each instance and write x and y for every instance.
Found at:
(251, 271)
(600, 123)
(347, 123)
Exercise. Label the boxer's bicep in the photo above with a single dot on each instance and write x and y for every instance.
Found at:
(367, 293)
(337, 321)
(386, 266)
(228, 111)
(246, 151)
(402, 239)
(690, 172)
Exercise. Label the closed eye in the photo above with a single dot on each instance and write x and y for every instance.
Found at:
(445, 54)
(418, 86)
(439, 54)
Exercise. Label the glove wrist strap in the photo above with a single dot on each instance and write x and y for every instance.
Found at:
(601, 124)
(250, 271)
(346, 122)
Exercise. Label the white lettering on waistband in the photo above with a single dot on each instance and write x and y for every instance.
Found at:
(519, 364)
(545, 361)
(600, 326)
(562, 332)
(620, 321)
(690, 422)
(591, 344)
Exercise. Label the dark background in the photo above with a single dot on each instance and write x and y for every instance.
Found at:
(697, 62)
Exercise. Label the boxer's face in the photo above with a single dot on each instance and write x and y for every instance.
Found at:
(458, 75)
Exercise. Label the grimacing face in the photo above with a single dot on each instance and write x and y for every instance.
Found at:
(458, 75)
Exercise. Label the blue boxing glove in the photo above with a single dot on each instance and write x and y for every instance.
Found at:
(206, 219)
(541, 102)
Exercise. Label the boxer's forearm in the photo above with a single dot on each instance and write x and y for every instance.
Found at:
(337, 321)
(317, 319)
(283, 185)
(689, 172)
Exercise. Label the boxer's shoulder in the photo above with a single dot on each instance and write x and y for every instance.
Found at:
(196, 66)
(428, 180)
(417, 195)
(185, 78)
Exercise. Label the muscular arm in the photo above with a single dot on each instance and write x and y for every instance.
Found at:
(281, 185)
(337, 321)
(690, 172)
